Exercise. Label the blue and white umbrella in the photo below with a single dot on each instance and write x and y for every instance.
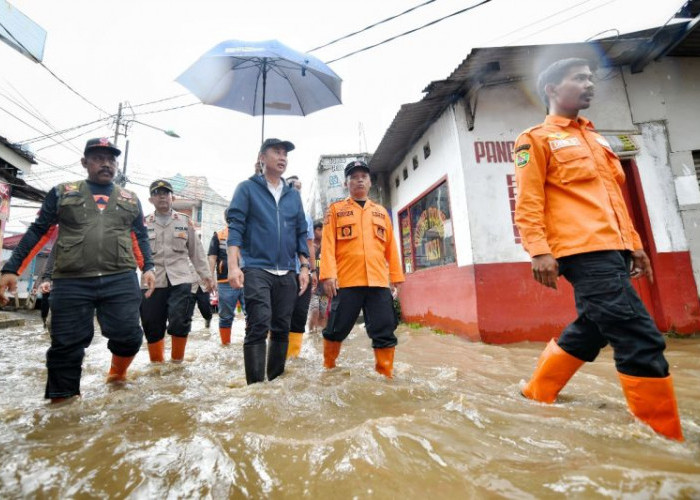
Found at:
(264, 77)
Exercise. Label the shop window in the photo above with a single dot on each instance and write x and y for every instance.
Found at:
(427, 237)
(415, 162)
(696, 161)
(405, 173)
(426, 150)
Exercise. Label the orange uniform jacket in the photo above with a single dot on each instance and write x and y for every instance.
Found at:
(358, 247)
(569, 199)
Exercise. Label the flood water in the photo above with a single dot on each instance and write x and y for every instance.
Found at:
(451, 424)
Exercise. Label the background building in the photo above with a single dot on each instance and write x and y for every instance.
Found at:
(447, 162)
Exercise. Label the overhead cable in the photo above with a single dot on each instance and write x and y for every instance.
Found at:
(54, 74)
(410, 31)
(371, 26)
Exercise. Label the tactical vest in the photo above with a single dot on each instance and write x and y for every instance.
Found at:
(93, 242)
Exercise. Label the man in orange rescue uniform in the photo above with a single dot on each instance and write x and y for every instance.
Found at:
(573, 221)
(360, 262)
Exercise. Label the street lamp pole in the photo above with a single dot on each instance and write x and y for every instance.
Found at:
(122, 180)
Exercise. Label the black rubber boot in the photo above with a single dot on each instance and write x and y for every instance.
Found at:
(254, 361)
(276, 357)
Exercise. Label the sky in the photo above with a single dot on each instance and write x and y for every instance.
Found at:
(132, 51)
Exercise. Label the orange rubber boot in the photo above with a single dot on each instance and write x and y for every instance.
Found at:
(155, 351)
(178, 348)
(554, 369)
(117, 371)
(653, 401)
(384, 358)
(225, 334)
(295, 340)
(331, 350)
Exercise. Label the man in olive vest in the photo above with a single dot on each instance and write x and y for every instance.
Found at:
(101, 239)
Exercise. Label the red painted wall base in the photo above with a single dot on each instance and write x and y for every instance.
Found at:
(502, 303)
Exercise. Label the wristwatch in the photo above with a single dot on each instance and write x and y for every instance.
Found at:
(306, 265)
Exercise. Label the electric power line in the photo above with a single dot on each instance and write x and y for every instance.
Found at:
(52, 73)
(409, 31)
(167, 109)
(159, 100)
(371, 26)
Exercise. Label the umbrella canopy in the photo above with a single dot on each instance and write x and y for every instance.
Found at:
(264, 77)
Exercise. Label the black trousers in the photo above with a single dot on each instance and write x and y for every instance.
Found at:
(610, 312)
(202, 299)
(74, 301)
(269, 301)
(301, 310)
(170, 306)
(378, 307)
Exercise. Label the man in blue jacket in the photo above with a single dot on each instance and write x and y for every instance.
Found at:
(267, 227)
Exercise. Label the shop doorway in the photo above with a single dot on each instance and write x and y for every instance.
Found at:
(637, 208)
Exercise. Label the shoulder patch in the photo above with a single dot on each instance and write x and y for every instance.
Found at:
(522, 147)
(522, 158)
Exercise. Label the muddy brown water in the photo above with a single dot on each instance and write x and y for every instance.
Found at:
(451, 424)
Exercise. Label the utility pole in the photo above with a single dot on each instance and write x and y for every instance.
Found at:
(116, 128)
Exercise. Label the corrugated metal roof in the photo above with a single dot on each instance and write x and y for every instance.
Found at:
(498, 65)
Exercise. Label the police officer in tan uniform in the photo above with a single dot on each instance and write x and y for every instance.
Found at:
(174, 244)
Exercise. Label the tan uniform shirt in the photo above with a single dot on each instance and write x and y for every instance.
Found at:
(174, 245)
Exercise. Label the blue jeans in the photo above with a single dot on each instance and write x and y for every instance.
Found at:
(116, 299)
(610, 311)
(227, 303)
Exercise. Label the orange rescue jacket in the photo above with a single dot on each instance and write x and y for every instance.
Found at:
(358, 247)
(569, 199)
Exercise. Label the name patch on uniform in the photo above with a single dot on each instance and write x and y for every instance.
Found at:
(346, 213)
(378, 214)
(564, 143)
(522, 158)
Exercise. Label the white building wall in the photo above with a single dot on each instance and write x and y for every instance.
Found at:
(444, 161)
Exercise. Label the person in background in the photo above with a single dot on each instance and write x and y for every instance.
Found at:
(301, 306)
(360, 270)
(573, 221)
(228, 297)
(319, 301)
(202, 300)
(175, 245)
(101, 240)
(267, 227)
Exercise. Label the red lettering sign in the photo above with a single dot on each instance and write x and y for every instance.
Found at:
(494, 151)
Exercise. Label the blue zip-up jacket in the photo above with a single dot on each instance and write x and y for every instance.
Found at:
(269, 235)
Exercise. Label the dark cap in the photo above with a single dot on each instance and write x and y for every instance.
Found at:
(101, 143)
(354, 165)
(160, 183)
(276, 142)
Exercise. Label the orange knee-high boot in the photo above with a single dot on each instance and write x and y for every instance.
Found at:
(225, 334)
(554, 369)
(117, 370)
(331, 350)
(155, 351)
(384, 358)
(178, 348)
(295, 340)
(653, 401)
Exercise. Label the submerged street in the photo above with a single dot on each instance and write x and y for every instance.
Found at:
(451, 424)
